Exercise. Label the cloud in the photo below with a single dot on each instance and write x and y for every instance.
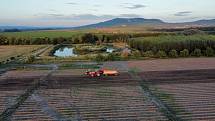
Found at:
(71, 3)
(134, 6)
(52, 10)
(129, 15)
(76, 19)
(183, 13)
(55, 16)
(97, 5)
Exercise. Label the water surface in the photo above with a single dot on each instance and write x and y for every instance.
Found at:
(65, 52)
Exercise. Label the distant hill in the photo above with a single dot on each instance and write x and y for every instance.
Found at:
(142, 21)
(24, 28)
(117, 22)
(123, 22)
(204, 22)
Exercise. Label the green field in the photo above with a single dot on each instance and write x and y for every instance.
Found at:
(70, 33)
(38, 34)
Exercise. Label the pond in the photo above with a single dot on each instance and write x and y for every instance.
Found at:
(65, 52)
(110, 50)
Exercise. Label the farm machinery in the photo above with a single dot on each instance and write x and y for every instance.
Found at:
(102, 72)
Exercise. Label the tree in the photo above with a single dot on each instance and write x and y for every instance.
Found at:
(161, 54)
(209, 52)
(197, 53)
(136, 54)
(99, 58)
(173, 54)
(184, 53)
(30, 59)
(89, 38)
(148, 54)
(111, 57)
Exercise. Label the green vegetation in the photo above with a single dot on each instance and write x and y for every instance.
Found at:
(184, 53)
(67, 37)
(173, 54)
(161, 54)
(93, 46)
(42, 34)
(209, 52)
(79, 66)
(89, 48)
(185, 46)
(148, 54)
(29, 59)
(197, 53)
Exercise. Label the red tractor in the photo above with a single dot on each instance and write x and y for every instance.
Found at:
(102, 72)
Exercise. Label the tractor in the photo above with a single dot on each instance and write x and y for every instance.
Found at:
(102, 72)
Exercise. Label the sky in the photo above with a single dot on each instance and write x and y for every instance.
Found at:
(82, 12)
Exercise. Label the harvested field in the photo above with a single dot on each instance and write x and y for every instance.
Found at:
(13, 51)
(84, 98)
(8, 97)
(173, 64)
(189, 93)
(185, 86)
(23, 74)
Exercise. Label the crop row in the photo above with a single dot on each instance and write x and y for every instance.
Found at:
(83, 98)
(190, 94)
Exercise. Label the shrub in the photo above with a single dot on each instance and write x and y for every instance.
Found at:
(136, 54)
(12, 58)
(148, 54)
(209, 52)
(100, 58)
(161, 54)
(30, 59)
(111, 57)
(173, 54)
(184, 53)
(197, 53)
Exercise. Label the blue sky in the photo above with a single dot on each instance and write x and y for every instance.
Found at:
(81, 12)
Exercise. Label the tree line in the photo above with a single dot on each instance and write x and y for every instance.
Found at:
(77, 39)
(194, 45)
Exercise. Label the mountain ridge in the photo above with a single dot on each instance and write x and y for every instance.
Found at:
(115, 22)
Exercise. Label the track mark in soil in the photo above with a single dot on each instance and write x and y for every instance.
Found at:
(45, 108)
(155, 100)
(7, 113)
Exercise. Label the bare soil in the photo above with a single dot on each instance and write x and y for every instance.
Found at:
(190, 93)
(173, 64)
(69, 95)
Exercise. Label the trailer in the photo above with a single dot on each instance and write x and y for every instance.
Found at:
(102, 72)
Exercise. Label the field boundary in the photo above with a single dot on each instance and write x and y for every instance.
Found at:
(7, 113)
(155, 100)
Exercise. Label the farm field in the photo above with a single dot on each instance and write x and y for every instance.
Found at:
(173, 64)
(38, 34)
(190, 93)
(17, 50)
(73, 60)
(69, 95)
(83, 98)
